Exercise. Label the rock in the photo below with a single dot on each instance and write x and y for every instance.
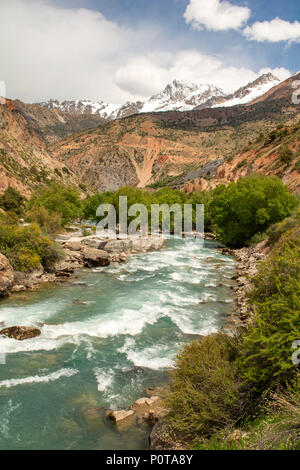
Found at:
(149, 409)
(65, 273)
(21, 332)
(92, 242)
(118, 416)
(123, 258)
(6, 275)
(133, 245)
(18, 288)
(156, 391)
(153, 400)
(73, 246)
(94, 258)
(142, 401)
(29, 279)
(117, 246)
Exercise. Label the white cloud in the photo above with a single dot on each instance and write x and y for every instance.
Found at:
(216, 15)
(48, 51)
(149, 74)
(51, 52)
(273, 31)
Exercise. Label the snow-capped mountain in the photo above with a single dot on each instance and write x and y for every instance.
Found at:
(253, 90)
(105, 110)
(181, 96)
(177, 96)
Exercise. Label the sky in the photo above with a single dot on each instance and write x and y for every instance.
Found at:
(128, 50)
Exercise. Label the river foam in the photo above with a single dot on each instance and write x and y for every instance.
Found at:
(39, 379)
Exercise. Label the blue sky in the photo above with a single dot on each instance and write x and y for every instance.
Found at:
(120, 50)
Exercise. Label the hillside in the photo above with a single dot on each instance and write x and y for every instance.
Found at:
(24, 159)
(190, 150)
(178, 148)
(54, 124)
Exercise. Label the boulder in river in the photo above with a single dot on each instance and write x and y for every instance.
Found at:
(95, 258)
(20, 332)
(6, 275)
(118, 416)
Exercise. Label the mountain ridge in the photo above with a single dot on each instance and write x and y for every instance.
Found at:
(176, 96)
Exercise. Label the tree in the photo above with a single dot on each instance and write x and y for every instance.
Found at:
(58, 199)
(249, 206)
(12, 201)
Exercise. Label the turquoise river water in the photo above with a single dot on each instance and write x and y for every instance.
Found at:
(107, 335)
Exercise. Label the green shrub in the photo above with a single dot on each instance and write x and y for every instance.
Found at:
(286, 154)
(249, 206)
(12, 201)
(266, 350)
(204, 390)
(50, 224)
(26, 247)
(275, 232)
(51, 254)
(58, 199)
(277, 427)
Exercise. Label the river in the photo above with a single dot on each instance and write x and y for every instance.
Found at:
(107, 335)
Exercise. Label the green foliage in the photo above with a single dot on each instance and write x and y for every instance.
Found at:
(205, 198)
(204, 390)
(12, 201)
(50, 224)
(275, 232)
(277, 427)
(286, 154)
(164, 195)
(91, 203)
(266, 350)
(58, 199)
(249, 206)
(26, 247)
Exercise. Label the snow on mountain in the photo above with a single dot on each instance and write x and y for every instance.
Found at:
(181, 96)
(250, 92)
(105, 110)
(177, 96)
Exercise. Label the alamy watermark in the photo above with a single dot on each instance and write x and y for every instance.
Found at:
(141, 221)
(296, 93)
(2, 92)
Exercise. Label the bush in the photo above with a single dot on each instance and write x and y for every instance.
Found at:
(266, 349)
(58, 199)
(275, 232)
(277, 427)
(12, 201)
(50, 224)
(249, 206)
(204, 391)
(286, 154)
(26, 247)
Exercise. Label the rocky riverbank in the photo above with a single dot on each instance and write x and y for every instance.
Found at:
(248, 259)
(78, 253)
